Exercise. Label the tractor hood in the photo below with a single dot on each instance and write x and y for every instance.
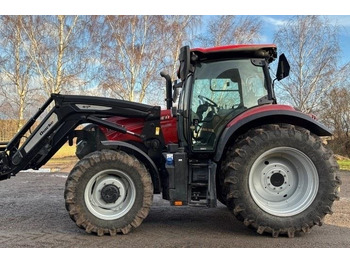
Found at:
(168, 128)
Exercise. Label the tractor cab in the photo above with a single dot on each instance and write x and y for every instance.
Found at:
(218, 84)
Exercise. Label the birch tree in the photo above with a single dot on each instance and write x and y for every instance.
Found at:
(135, 49)
(229, 29)
(312, 46)
(132, 54)
(58, 51)
(181, 30)
(15, 68)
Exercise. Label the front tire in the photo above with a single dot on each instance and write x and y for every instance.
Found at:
(280, 179)
(108, 192)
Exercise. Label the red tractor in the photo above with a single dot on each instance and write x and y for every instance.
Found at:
(227, 139)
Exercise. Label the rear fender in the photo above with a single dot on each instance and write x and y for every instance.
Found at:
(140, 155)
(273, 114)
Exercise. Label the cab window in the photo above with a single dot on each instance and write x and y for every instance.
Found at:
(220, 91)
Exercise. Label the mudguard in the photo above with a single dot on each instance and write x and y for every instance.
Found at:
(268, 114)
(140, 155)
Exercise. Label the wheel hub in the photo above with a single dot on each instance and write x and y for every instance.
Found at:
(110, 193)
(277, 179)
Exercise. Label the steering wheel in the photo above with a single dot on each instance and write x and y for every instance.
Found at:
(210, 102)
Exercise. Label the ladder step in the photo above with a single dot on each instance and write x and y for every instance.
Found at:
(199, 164)
(197, 204)
(199, 184)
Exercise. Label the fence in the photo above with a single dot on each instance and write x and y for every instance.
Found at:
(8, 128)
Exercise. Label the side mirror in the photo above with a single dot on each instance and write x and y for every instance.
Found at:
(184, 59)
(283, 68)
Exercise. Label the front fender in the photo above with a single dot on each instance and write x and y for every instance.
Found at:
(269, 114)
(140, 155)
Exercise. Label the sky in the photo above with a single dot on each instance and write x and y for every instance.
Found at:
(272, 22)
(272, 12)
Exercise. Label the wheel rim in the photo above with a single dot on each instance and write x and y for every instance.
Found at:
(110, 194)
(283, 181)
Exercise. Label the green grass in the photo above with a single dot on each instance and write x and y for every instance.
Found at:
(64, 160)
(65, 151)
(344, 164)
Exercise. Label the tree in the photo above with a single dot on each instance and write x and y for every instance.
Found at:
(16, 68)
(181, 30)
(59, 51)
(312, 47)
(336, 114)
(229, 29)
(132, 54)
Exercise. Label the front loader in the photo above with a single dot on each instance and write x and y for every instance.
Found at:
(227, 139)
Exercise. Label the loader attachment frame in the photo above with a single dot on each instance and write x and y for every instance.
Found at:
(65, 113)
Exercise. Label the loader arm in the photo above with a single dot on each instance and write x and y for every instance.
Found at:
(58, 126)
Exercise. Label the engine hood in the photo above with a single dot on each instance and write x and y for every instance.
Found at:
(167, 121)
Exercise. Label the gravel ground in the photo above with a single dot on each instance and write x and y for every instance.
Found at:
(33, 214)
(341, 209)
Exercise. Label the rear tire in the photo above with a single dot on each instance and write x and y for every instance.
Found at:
(280, 179)
(108, 192)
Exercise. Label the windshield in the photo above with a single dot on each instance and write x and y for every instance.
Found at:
(220, 91)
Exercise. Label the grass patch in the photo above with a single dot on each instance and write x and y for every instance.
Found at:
(344, 164)
(64, 159)
(65, 151)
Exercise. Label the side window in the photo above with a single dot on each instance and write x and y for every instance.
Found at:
(222, 90)
(221, 93)
(253, 85)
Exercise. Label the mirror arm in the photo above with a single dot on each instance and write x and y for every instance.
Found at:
(273, 82)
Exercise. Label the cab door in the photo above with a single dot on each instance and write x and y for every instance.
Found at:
(220, 91)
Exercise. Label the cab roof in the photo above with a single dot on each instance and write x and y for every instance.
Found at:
(267, 51)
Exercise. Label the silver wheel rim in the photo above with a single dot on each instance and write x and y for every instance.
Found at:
(116, 206)
(283, 181)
